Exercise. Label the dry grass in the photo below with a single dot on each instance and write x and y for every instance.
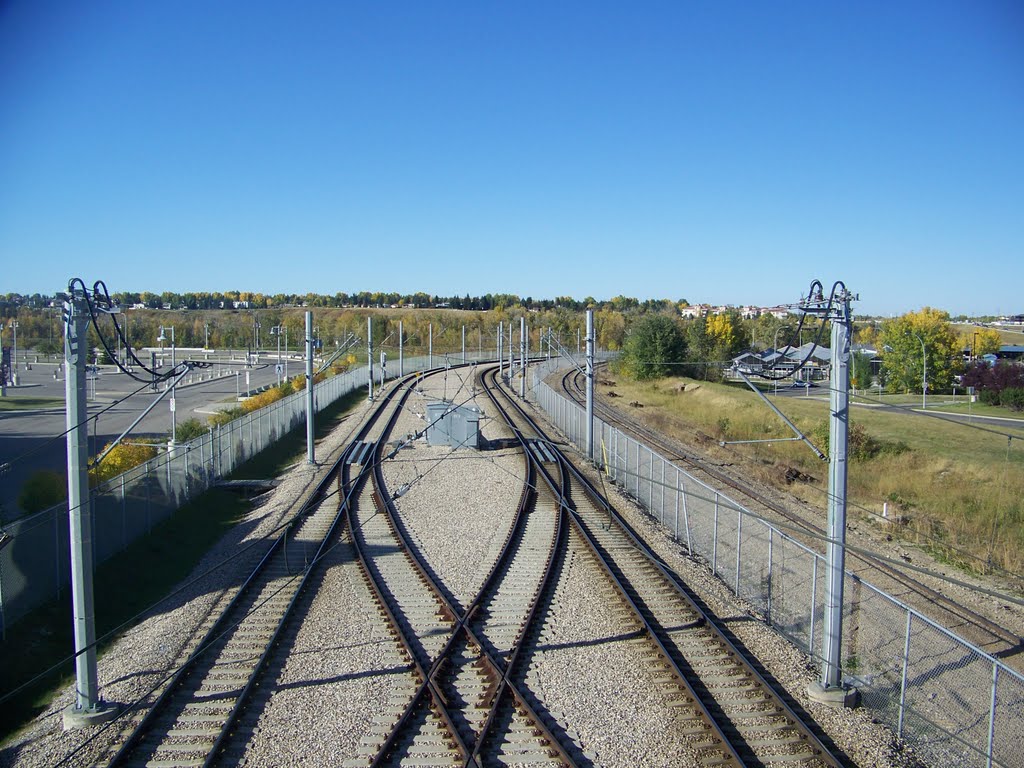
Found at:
(957, 489)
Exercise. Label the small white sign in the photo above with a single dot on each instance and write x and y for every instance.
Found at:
(172, 405)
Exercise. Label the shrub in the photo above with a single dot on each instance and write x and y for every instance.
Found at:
(122, 457)
(221, 418)
(861, 446)
(1012, 398)
(42, 490)
(189, 429)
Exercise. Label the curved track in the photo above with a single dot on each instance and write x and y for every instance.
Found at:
(192, 721)
(460, 704)
(729, 712)
(974, 627)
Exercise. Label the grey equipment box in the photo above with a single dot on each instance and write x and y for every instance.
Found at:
(454, 425)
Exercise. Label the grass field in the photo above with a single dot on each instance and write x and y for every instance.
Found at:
(9, 403)
(958, 489)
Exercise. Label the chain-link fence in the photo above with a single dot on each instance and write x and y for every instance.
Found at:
(35, 561)
(953, 703)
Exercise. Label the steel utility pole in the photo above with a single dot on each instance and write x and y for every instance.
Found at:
(430, 345)
(831, 689)
(590, 384)
(401, 358)
(310, 402)
(88, 709)
(463, 345)
(369, 358)
(522, 357)
(501, 352)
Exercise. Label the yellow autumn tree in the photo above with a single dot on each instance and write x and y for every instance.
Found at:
(722, 330)
(981, 341)
(122, 457)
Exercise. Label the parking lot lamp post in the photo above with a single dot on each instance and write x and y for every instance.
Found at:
(924, 373)
(276, 331)
(14, 353)
(174, 365)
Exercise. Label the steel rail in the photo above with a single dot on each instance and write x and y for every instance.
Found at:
(930, 595)
(463, 619)
(821, 752)
(226, 622)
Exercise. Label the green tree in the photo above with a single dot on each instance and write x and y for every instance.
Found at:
(902, 339)
(654, 345)
(860, 370)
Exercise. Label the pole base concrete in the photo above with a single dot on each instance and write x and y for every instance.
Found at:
(835, 696)
(82, 717)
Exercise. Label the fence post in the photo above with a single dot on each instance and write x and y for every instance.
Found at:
(124, 516)
(992, 714)
(662, 491)
(903, 677)
(768, 597)
(714, 540)
(739, 548)
(814, 603)
(678, 494)
(686, 519)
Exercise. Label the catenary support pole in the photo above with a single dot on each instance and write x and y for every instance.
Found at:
(836, 552)
(831, 689)
(463, 345)
(310, 403)
(401, 356)
(501, 352)
(87, 708)
(522, 357)
(369, 358)
(430, 345)
(590, 384)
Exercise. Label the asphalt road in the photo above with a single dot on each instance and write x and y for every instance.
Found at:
(27, 441)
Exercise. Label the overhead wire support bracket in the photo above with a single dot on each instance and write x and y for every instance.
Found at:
(796, 431)
(187, 369)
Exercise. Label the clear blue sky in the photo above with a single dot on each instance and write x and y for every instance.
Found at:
(713, 151)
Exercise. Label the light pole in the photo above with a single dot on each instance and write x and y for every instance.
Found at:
(206, 335)
(174, 365)
(276, 331)
(924, 372)
(286, 352)
(775, 349)
(14, 354)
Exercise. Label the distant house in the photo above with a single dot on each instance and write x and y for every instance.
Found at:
(694, 311)
(1011, 352)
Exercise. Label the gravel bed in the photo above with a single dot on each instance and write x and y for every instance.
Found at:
(591, 676)
(853, 731)
(147, 653)
(341, 668)
(343, 664)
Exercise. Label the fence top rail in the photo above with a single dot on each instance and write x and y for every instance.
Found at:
(1003, 669)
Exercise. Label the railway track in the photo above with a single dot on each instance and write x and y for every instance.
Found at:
(725, 710)
(972, 626)
(460, 703)
(192, 721)
(464, 689)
